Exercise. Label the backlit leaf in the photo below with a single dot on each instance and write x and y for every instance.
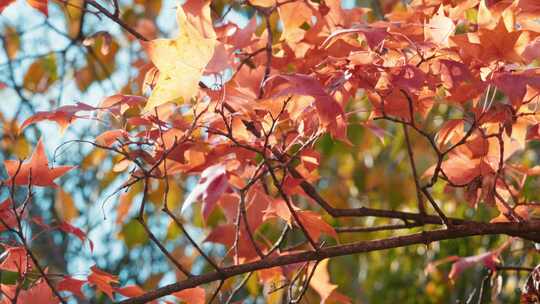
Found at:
(41, 74)
(181, 62)
(65, 206)
(36, 171)
(102, 280)
(210, 187)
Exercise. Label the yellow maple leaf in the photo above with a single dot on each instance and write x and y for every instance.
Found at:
(180, 61)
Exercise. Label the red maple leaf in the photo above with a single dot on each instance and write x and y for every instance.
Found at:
(4, 4)
(15, 259)
(7, 216)
(36, 171)
(68, 228)
(40, 5)
(63, 116)
(72, 285)
(211, 186)
(102, 280)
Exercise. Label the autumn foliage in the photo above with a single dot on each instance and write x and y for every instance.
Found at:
(247, 157)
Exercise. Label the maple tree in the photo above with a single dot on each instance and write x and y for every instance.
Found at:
(275, 150)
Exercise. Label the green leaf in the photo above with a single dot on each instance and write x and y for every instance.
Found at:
(8, 277)
(133, 234)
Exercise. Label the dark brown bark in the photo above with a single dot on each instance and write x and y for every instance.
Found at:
(529, 231)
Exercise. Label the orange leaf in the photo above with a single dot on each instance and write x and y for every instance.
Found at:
(15, 259)
(310, 159)
(320, 282)
(72, 285)
(263, 3)
(109, 138)
(460, 169)
(501, 44)
(63, 116)
(277, 208)
(102, 280)
(294, 15)
(225, 234)
(41, 292)
(328, 109)
(65, 206)
(315, 225)
(450, 129)
(514, 84)
(40, 5)
(7, 216)
(130, 291)
(198, 14)
(36, 171)
(211, 186)
(523, 211)
(373, 35)
(195, 295)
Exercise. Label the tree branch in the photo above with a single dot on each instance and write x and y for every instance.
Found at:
(527, 230)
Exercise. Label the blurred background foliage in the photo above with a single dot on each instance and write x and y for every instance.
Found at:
(77, 55)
